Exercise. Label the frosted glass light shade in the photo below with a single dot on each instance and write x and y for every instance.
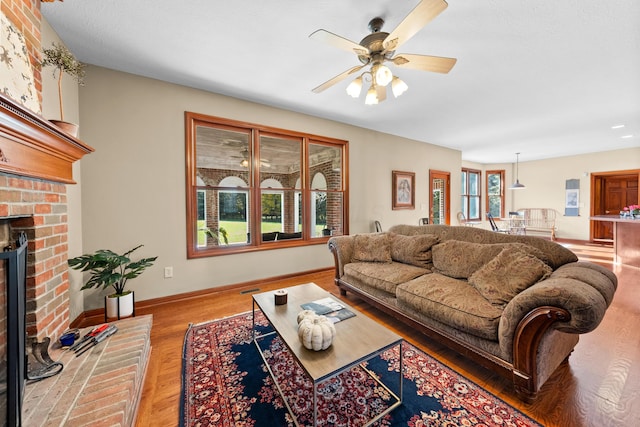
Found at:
(372, 96)
(383, 75)
(398, 87)
(355, 87)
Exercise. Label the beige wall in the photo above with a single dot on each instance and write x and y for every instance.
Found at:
(133, 186)
(51, 110)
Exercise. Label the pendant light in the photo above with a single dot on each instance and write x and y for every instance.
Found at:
(516, 185)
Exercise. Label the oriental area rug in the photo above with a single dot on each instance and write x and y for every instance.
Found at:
(225, 383)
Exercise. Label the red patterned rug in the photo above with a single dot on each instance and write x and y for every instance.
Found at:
(226, 384)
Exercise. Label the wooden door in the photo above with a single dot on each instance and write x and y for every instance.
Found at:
(439, 204)
(610, 194)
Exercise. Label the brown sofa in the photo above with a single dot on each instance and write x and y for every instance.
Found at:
(514, 304)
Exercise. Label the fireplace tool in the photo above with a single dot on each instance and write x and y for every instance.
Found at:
(39, 363)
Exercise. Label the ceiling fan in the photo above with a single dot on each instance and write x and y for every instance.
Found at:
(245, 160)
(379, 47)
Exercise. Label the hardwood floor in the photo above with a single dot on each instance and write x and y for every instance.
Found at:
(600, 386)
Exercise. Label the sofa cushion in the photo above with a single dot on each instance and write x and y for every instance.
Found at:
(413, 250)
(372, 248)
(460, 259)
(453, 302)
(508, 274)
(383, 276)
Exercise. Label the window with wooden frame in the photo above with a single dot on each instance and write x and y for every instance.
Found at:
(470, 194)
(495, 193)
(252, 187)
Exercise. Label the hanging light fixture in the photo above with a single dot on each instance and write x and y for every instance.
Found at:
(516, 185)
(380, 76)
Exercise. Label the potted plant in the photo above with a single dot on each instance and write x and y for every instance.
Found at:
(63, 61)
(107, 268)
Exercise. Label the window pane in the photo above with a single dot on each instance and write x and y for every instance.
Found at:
(474, 208)
(223, 220)
(326, 214)
(280, 215)
(463, 189)
(474, 183)
(325, 161)
(493, 184)
(280, 161)
(495, 206)
(221, 152)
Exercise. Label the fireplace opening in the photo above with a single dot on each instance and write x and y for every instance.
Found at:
(13, 357)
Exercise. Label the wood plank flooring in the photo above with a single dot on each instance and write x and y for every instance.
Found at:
(600, 386)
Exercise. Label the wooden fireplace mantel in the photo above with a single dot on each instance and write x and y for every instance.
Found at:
(34, 147)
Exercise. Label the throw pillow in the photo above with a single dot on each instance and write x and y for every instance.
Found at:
(413, 250)
(371, 248)
(508, 274)
(459, 259)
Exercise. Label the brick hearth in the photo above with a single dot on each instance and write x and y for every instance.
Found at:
(102, 387)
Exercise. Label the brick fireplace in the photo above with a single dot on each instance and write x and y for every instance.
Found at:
(39, 209)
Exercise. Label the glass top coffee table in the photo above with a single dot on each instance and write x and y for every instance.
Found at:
(358, 339)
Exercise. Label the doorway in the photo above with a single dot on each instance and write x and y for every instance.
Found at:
(439, 202)
(610, 192)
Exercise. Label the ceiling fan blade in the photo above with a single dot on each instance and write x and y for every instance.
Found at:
(336, 79)
(339, 42)
(420, 16)
(381, 93)
(437, 64)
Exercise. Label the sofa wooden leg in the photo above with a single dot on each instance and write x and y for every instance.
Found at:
(343, 292)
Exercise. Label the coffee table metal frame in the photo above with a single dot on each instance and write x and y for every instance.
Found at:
(363, 340)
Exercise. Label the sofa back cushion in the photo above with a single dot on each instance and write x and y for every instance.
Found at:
(413, 250)
(460, 259)
(371, 248)
(508, 274)
(557, 254)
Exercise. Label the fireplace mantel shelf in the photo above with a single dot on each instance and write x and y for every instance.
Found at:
(32, 146)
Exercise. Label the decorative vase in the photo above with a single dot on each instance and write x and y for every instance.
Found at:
(70, 128)
(119, 306)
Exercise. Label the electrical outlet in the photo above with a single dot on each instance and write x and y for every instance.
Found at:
(168, 272)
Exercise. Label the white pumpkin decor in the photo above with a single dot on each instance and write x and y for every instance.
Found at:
(315, 332)
(305, 313)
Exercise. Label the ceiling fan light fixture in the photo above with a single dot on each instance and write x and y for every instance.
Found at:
(355, 87)
(398, 87)
(383, 75)
(372, 96)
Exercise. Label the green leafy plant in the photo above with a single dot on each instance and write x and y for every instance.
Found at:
(217, 233)
(63, 61)
(110, 269)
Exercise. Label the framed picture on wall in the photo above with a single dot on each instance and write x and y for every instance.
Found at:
(403, 193)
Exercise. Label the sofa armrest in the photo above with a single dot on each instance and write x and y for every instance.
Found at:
(584, 293)
(342, 249)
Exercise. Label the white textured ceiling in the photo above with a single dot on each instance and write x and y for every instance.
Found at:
(545, 78)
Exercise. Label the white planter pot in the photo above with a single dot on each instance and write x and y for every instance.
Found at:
(125, 302)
